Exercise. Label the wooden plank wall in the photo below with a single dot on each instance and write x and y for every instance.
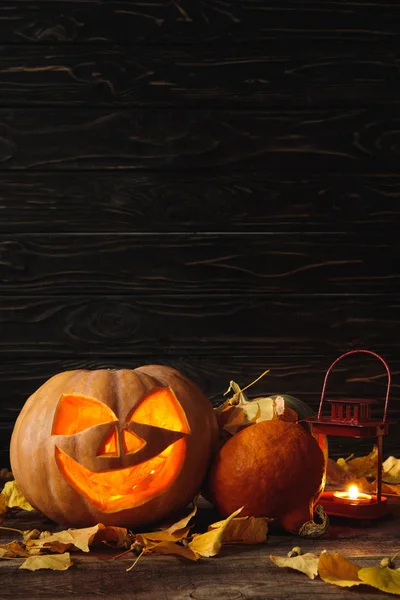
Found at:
(212, 185)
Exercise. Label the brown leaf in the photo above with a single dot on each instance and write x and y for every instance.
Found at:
(244, 530)
(58, 562)
(335, 474)
(13, 550)
(305, 563)
(361, 466)
(110, 535)
(338, 570)
(14, 497)
(209, 543)
(31, 534)
(174, 549)
(384, 579)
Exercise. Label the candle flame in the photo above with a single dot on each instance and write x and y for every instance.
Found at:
(353, 492)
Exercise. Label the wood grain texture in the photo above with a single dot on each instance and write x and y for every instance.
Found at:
(46, 202)
(298, 376)
(286, 326)
(200, 264)
(348, 140)
(129, 22)
(291, 73)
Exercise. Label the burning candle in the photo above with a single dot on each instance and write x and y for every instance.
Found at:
(352, 496)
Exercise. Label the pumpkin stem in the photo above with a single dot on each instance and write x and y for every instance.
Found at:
(239, 397)
(312, 529)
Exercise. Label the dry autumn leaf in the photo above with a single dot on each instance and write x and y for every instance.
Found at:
(174, 549)
(234, 417)
(391, 470)
(338, 570)
(361, 466)
(113, 536)
(144, 545)
(3, 504)
(384, 579)
(79, 539)
(163, 536)
(209, 543)
(13, 550)
(58, 562)
(70, 539)
(180, 526)
(370, 486)
(305, 563)
(14, 497)
(244, 530)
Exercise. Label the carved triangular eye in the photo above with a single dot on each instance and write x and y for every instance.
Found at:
(110, 444)
(161, 408)
(132, 443)
(75, 413)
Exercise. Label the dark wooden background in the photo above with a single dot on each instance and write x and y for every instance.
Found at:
(212, 185)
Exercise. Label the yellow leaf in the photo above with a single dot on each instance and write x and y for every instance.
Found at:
(58, 562)
(391, 470)
(244, 530)
(336, 569)
(384, 579)
(14, 497)
(69, 539)
(146, 542)
(148, 539)
(174, 549)
(209, 543)
(305, 563)
(179, 529)
(3, 504)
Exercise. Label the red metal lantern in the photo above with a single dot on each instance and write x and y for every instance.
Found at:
(351, 417)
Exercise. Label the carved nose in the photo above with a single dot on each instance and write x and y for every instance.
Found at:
(111, 443)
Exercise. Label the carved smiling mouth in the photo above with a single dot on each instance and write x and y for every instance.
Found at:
(119, 489)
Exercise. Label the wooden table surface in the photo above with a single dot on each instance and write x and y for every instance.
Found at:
(240, 572)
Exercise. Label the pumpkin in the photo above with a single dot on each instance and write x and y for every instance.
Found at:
(273, 469)
(121, 447)
(239, 412)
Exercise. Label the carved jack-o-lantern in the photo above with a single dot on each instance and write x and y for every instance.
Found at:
(119, 447)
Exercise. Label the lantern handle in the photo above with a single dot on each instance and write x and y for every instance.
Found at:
(347, 354)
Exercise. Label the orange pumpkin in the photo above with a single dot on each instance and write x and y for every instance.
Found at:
(121, 447)
(273, 469)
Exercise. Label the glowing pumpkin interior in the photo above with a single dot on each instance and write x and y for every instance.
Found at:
(122, 488)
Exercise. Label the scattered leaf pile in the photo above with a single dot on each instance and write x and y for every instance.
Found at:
(336, 569)
(46, 550)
